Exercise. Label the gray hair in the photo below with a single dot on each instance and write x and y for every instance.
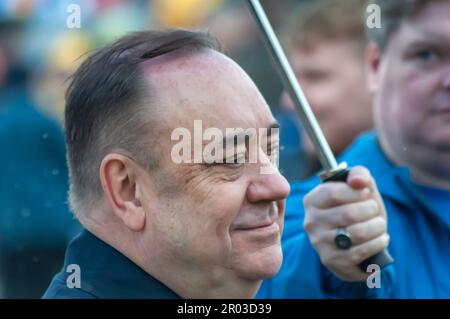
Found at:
(108, 107)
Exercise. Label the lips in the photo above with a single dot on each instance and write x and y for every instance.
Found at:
(443, 109)
(263, 218)
(255, 227)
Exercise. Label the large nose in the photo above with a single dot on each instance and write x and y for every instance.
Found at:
(268, 187)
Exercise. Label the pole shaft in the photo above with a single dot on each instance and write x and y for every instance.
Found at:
(302, 106)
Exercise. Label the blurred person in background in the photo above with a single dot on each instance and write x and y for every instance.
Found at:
(37, 56)
(325, 44)
(35, 223)
(49, 82)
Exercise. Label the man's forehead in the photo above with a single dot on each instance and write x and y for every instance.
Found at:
(192, 79)
(205, 85)
(430, 25)
(184, 60)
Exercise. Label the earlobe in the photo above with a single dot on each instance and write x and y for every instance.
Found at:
(118, 179)
(134, 217)
(373, 65)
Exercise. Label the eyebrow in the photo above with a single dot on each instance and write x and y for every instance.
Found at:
(274, 125)
(428, 38)
(234, 138)
(426, 43)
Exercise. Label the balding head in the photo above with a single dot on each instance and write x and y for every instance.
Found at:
(207, 228)
(108, 105)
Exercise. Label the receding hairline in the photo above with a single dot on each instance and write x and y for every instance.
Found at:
(95, 127)
(182, 59)
(180, 67)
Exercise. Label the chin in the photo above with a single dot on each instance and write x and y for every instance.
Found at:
(262, 264)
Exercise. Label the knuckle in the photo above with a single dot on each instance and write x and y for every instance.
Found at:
(350, 216)
(371, 180)
(386, 240)
(358, 234)
(373, 206)
(315, 240)
(327, 261)
(307, 200)
(334, 194)
(382, 222)
(316, 195)
(309, 224)
(360, 254)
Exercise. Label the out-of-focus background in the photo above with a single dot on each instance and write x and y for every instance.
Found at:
(41, 45)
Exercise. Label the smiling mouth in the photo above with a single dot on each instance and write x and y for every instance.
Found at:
(442, 110)
(271, 226)
(445, 112)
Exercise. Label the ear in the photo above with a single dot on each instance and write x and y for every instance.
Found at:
(373, 64)
(118, 178)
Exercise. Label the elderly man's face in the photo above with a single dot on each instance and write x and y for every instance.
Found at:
(413, 84)
(221, 220)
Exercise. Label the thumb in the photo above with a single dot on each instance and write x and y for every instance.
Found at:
(359, 177)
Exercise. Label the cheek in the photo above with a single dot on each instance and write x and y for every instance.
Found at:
(322, 96)
(394, 102)
(416, 120)
(214, 215)
(413, 93)
(281, 207)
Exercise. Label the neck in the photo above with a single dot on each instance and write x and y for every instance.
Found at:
(427, 179)
(186, 279)
(427, 167)
(192, 281)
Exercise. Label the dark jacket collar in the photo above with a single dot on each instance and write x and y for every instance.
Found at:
(107, 273)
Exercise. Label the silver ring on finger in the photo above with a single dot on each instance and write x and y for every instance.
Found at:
(343, 239)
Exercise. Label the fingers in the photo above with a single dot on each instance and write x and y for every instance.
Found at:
(345, 263)
(368, 249)
(344, 215)
(356, 206)
(360, 232)
(368, 230)
(334, 193)
(360, 177)
(359, 186)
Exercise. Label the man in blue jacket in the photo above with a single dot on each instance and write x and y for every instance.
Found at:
(409, 157)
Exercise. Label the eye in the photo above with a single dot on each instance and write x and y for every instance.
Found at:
(273, 148)
(230, 162)
(425, 55)
(234, 165)
(235, 162)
